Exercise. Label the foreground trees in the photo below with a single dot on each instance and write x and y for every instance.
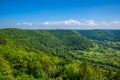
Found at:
(20, 64)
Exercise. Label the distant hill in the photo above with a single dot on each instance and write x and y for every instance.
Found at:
(111, 35)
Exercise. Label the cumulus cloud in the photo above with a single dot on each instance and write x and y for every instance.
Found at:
(109, 25)
(104, 23)
(115, 24)
(90, 23)
(24, 24)
(72, 24)
(65, 23)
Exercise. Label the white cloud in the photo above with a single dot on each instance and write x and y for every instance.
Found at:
(24, 24)
(27, 24)
(90, 23)
(104, 23)
(116, 22)
(72, 24)
(109, 25)
(65, 23)
(52, 23)
(46, 23)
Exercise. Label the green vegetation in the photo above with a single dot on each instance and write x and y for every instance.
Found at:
(59, 54)
(101, 35)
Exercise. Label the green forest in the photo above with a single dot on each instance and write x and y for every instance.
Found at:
(59, 54)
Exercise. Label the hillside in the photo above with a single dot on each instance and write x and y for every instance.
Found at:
(101, 35)
(59, 54)
(110, 38)
(45, 40)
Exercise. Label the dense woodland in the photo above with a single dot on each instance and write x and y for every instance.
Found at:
(59, 54)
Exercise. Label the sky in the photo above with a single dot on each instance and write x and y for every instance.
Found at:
(60, 14)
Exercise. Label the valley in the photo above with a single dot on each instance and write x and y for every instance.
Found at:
(59, 54)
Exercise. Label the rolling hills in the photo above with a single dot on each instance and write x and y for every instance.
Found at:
(59, 54)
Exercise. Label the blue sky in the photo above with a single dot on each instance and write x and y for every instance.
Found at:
(60, 14)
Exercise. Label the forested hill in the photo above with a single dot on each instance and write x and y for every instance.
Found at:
(101, 35)
(59, 54)
(46, 40)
